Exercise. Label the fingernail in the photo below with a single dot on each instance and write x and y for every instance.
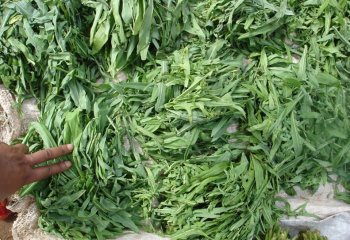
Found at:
(68, 164)
(70, 147)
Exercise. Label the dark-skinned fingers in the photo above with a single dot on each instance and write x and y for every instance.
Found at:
(4, 146)
(48, 154)
(41, 173)
(20, 148)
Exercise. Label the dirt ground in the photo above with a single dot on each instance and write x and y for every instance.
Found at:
(5, 230)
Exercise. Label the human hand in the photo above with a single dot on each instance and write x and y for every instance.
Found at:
(18, 168)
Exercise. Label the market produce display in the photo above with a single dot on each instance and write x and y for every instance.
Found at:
(187, 117)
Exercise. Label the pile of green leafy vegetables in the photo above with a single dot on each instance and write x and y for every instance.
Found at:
(187, 117)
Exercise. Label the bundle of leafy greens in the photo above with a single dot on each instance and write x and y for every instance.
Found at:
(223, 104)
(125, 31)
(276, 233)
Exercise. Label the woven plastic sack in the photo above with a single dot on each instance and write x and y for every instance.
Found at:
(14, 122)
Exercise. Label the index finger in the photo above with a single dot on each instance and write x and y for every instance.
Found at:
(48, 154)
